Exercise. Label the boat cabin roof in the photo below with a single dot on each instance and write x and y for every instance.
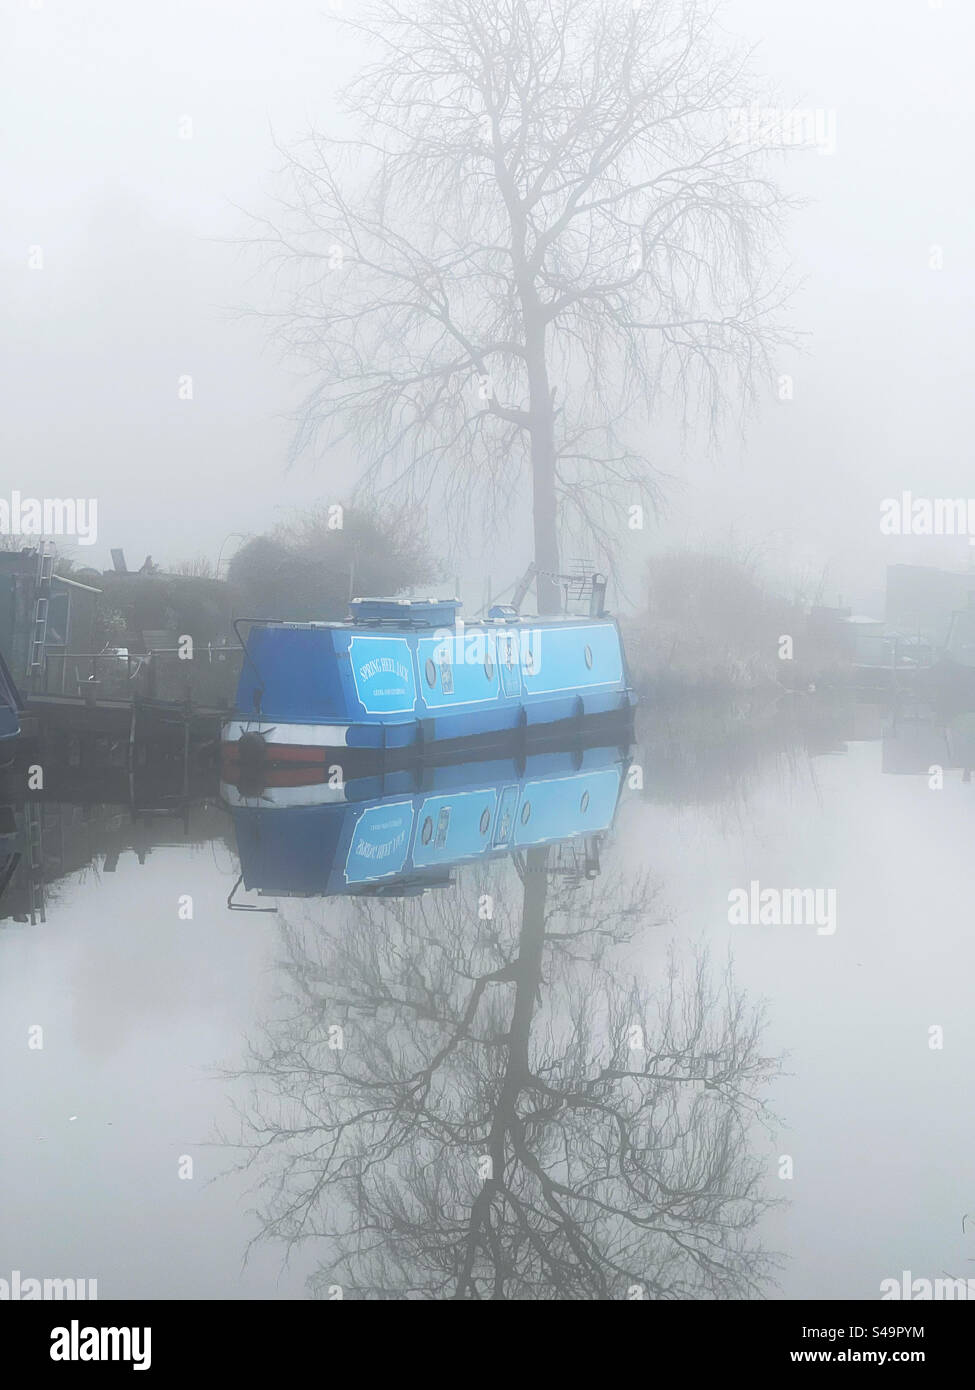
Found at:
(414, 612)
(404, 624)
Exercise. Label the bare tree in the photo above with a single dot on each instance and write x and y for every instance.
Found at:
(307, 569)
(550, 219)
(511, 1115)
(199, 567)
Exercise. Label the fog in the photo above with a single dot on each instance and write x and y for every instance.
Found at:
(138, 137)
(606, 948)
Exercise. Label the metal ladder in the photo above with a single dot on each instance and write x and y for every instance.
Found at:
(35, 861)
(46, 556)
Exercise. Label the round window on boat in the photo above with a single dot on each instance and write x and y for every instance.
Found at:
(584, 803)
(426, 834)
(485, 820)
(526, 811)
(489, 667)
(589, 657)
(431, 672)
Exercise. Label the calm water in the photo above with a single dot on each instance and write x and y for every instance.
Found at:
(559, 1072)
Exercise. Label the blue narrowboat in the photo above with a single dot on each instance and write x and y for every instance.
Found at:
(402, 833)
(404, 676)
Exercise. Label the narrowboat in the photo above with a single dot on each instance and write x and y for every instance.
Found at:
(402, 676)
(402, 833)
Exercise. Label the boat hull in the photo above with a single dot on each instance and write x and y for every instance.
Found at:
(316, 694)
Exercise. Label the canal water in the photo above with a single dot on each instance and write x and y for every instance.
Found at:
(720, 1047)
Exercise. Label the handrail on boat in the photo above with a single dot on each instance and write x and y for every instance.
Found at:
(244, 907)
(243, 644)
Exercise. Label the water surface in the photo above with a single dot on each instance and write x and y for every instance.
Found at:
(559, 1071)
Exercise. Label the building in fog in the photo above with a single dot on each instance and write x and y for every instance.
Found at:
(64, 624)
(921, 600)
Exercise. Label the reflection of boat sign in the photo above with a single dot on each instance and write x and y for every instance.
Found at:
(405, 831)
(402, 675)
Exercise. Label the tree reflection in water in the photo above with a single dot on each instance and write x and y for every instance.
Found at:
(454, 1108)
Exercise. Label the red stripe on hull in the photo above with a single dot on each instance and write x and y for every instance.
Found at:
(288, 777)
(288, 753)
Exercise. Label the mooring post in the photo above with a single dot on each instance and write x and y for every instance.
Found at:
(135, 706)
(187, 716)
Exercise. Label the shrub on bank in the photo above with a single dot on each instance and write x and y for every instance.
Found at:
(711, 625)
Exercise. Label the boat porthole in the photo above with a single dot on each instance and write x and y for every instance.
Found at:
(485, 820)
(426, 834)
(589, 657)
(584, 803)
(431, 672)
(526, 811)
(489, 668)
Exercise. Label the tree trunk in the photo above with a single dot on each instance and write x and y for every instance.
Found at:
(528, 976)
(544, 506)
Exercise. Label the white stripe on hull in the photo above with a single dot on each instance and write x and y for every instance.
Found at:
(318, 794)
(304, 735)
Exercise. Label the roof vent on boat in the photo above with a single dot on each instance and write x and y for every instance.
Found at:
(405, 612)
(504, 613)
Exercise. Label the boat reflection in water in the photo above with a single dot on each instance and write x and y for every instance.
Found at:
(402, 833)
(509, 1104)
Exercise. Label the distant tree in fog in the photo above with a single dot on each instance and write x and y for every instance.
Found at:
(200, 567)
(309, 568)
(553, 218)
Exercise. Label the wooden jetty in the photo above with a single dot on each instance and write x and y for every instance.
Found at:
(131, 719)
(73, 736)
(127, 710)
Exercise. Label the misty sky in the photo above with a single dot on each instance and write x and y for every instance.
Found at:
(141, 283)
